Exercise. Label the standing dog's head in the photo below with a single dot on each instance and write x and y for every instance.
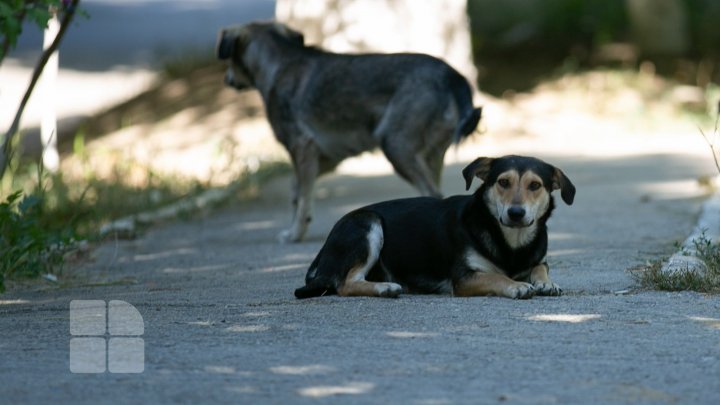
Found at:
(516, 189)
(235, 44)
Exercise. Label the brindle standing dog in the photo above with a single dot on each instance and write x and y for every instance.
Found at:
(324, 107)
(493, 242)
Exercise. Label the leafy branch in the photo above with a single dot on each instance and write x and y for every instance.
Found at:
(12, 16)
(711, 142)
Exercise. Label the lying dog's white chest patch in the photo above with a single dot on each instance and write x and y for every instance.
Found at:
(518, 237)
(480, 263)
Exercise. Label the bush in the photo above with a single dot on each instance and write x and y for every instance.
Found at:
(27, 247)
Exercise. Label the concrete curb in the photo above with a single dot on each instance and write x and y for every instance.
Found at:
(708, 225)
(126, 226)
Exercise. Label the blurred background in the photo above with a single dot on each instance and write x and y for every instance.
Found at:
(144, 119)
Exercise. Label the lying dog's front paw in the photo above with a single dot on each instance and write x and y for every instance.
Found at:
(388, 290)
(547, 288)
(519, 290)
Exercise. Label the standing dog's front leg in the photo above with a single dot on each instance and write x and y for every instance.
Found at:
(306, 162)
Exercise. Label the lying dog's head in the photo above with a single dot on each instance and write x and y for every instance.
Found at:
(516, 189)
(235, 45)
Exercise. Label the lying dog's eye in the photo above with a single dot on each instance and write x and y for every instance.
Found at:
(534, 186)
(504, 183)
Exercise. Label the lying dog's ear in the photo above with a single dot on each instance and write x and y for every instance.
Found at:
(561, 182)
(225, 45)
(479, 168)
(290, 34)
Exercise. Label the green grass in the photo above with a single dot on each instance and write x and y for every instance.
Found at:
(28, 247)
(43, 214)
(705, 280)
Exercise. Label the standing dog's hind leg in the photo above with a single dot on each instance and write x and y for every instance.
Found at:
(412, 167)
(435, 158)
(306, 162)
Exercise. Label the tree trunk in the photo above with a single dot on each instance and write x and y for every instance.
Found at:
(48, 91)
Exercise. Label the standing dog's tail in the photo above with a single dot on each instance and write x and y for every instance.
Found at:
(469, 114)
(468, 124)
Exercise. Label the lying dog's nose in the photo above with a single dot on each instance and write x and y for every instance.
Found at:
(516, 213)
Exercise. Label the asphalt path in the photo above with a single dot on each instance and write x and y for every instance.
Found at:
(221, 323)
(142, 33)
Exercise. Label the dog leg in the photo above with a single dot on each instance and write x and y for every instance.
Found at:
(306, 162)
(355, 283)
(413, 168)
(541, 281)
(435, 159)
(369, 289)
(492, 284)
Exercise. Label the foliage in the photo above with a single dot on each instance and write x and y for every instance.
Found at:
(27, 246)
(549, 25)
(702, 23)
(689, 279)
(67, 9)
(14, 12)
(561, 26)
(39, 226)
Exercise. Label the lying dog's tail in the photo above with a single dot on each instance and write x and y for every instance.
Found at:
(315, 285)
(314, 290)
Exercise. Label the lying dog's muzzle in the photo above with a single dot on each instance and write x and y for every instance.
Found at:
(514, 217)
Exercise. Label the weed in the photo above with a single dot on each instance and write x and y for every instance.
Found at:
(38, 226)
(712, 140)
(692, 278)
(28, 247)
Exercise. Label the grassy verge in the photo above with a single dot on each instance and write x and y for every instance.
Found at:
(42, 216)
(706, 280)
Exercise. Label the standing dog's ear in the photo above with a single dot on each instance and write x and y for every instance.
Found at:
(567, 189)
(479, 168)
(225, 45)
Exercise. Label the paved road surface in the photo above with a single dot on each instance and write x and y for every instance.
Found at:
(221, 323)
(142, 33)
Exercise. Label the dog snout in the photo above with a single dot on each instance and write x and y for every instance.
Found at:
(516, 213)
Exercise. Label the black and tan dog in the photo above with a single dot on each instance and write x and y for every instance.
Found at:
(493, 242)
(324, 107)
